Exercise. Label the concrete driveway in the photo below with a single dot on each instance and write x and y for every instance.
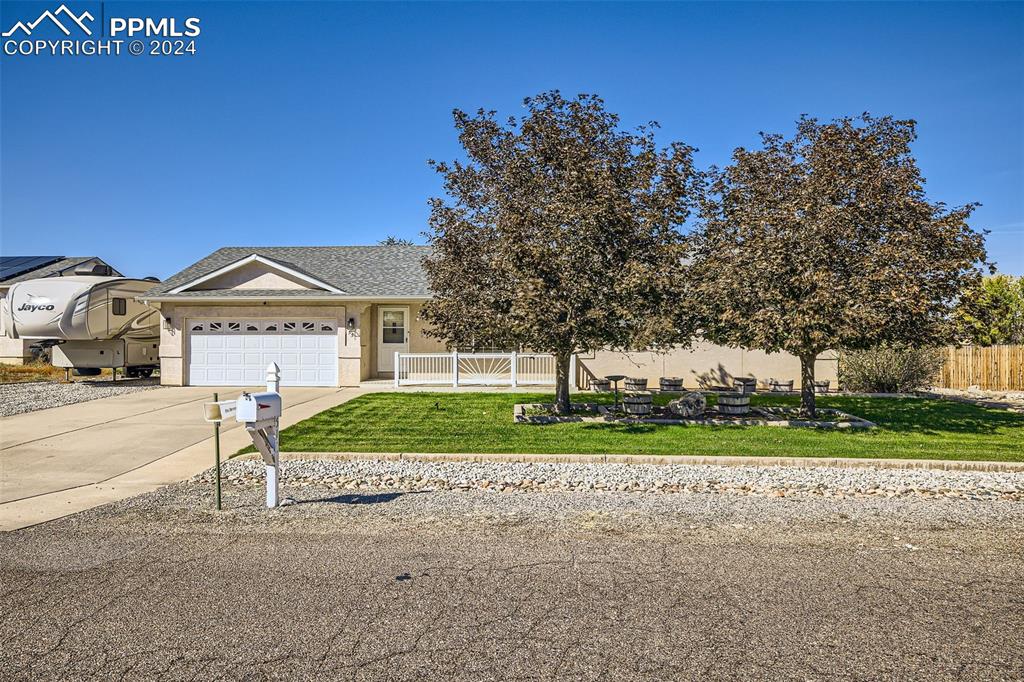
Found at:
(63, 460)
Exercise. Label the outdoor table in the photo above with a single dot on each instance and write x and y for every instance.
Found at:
(615, 379)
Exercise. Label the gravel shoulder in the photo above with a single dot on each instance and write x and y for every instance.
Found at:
(773, 481)
(29, 396)
(475, 584)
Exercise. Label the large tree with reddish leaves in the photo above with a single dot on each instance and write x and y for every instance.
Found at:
(559, 233)
(827, 240)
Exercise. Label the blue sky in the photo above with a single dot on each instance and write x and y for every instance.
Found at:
(311, 123)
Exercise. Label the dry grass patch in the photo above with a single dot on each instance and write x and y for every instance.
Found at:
(36, 371)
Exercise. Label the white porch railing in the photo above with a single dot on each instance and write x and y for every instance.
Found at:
(476, 369)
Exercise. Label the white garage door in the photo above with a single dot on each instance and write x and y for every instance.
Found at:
(236, 352)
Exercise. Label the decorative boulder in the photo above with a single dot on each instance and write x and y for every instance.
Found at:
(689, 405)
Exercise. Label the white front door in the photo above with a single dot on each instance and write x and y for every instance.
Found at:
(236, 352)
(392, 335)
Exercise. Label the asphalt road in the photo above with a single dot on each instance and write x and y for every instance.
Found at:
(516, 586)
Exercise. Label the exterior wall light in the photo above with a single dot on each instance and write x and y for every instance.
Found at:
(351, 323)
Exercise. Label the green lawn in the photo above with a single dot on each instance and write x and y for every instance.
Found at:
(482, 422)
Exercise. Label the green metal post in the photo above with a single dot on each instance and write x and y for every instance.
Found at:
(216, 442)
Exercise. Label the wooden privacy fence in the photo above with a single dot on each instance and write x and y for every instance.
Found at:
(991, 368)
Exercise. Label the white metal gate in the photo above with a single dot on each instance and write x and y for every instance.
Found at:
(475, 369)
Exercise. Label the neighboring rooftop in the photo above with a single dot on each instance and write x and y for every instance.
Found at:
(15, 269)
(358, 271)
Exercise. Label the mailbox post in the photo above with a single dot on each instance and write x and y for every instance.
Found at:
(216, 412)
(216, 452)
(261, 413)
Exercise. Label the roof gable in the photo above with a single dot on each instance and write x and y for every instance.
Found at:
(353, 271)
(251, 272)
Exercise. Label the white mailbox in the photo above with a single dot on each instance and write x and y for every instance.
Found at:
(261, 414)
(258, 407)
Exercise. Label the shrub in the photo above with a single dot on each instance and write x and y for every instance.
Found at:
(889, 369)
(992, 312)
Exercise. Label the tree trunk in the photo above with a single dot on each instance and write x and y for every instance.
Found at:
(807, 407)
(562, 378)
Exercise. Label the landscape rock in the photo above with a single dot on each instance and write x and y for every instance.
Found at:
(29, 396)
(689, 405)
(761, 481)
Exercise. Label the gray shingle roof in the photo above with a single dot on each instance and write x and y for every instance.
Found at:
(52, 269)
(360, 271)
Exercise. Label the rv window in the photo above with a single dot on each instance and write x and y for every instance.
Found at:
(120, 306)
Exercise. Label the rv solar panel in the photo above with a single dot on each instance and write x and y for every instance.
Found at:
(12, 266)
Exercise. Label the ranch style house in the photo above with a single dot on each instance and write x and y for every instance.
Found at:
(337, 316)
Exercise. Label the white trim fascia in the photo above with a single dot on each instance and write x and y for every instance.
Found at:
(199, 300)
(256, 258)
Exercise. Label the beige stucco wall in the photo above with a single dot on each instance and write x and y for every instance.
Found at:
(704, 364)
(366, 339)
(419, 342)
(14, 351)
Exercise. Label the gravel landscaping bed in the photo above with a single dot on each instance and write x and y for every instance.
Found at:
(18, 398)
(329, 507)
(770, 481)
(1006, 400)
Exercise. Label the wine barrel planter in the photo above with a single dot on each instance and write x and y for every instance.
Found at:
(670, 384)
(600, 385)
(733, 403)
(780, 386)
(744, 384)
(636, 384)
(821, 386)
(637, 405)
